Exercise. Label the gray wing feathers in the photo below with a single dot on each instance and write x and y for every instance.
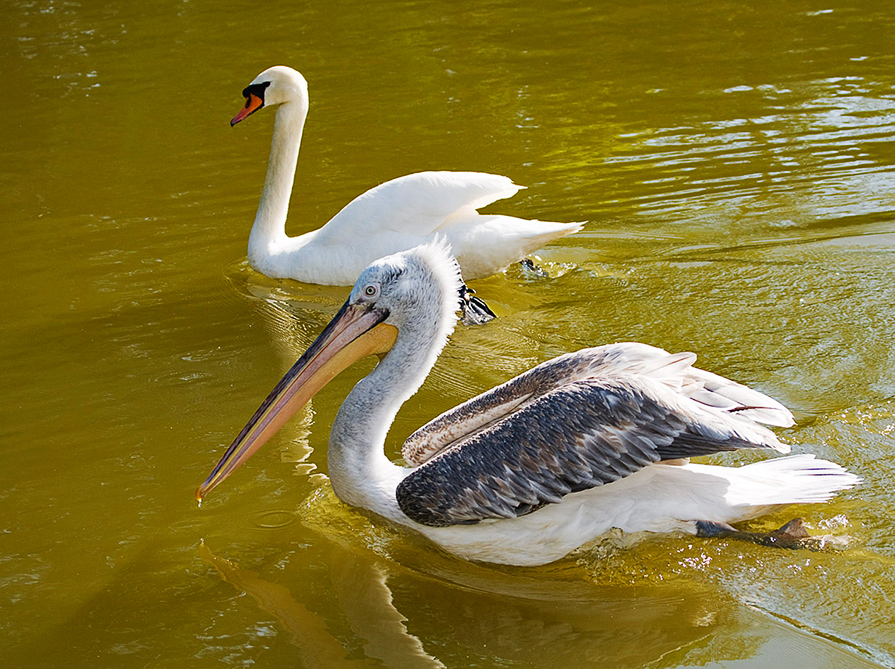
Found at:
(484, 410)
(461, 422)
(571, 439)
(628, 359)
(574, 423)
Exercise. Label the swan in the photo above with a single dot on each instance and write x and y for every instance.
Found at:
(394, 216)
(548, 461)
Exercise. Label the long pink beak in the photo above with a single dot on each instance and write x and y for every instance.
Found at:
(354, 333)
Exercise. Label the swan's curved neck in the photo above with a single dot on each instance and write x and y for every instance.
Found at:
(269, 229)
(360, 472)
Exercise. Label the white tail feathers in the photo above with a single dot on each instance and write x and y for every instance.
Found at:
(796, 479)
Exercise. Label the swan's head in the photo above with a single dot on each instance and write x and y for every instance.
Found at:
(408, 298)
(275, 86)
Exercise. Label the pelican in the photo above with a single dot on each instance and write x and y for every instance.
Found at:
(550, 460)
(394, 216)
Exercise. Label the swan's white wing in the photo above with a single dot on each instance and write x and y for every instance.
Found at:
(416, 204)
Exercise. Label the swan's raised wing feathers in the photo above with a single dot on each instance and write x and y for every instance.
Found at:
(416, 204)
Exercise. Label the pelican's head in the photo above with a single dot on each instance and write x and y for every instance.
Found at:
(418, 287)
(275, 86)
(414, 293)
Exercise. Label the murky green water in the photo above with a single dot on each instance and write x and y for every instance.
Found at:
(736, 166)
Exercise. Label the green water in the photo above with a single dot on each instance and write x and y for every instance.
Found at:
(735, 164)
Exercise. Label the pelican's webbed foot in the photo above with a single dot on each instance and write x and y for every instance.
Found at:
(791, 535)
(473, 310)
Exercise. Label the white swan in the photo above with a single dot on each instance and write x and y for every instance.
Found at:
(394, 216)
(531, 470)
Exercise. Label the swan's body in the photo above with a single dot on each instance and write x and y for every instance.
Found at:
(394, 216)
(533, 469)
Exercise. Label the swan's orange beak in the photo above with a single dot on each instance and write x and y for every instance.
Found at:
(356, 332)
(253, 104)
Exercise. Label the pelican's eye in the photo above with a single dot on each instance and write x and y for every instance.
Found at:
(371, 290)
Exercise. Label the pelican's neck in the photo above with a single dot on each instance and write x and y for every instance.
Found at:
(360, 472)
(269, 230)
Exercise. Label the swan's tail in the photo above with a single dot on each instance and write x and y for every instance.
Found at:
(537, 234)
(489, 243)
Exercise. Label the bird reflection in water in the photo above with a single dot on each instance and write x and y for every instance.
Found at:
(442, 611)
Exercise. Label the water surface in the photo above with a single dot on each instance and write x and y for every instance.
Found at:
(735, 165)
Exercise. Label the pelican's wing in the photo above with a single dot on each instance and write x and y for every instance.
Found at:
(574, 437)
(674, 371)
(416, 204)
(489, 408)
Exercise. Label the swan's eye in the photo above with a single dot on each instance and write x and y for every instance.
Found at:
(371, 290)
